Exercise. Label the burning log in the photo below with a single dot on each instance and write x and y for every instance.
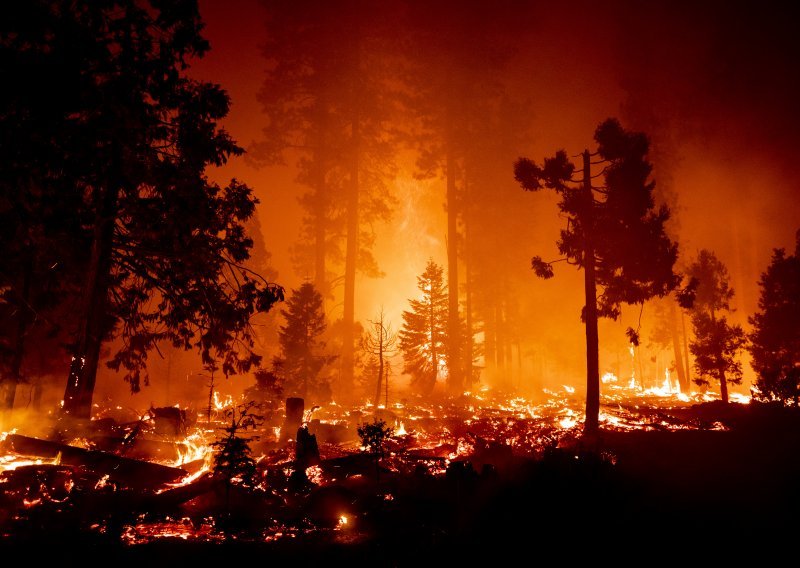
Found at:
(129, 472)
(306, 449)
(139, 448)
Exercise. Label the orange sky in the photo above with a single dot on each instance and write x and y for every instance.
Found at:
(719, 77)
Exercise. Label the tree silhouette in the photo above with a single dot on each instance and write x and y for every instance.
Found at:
(775, 339)
(328, 101)
(716, 343)
(165, 246)
(302, 358)
(44, 249)
(373, 435)
(424, 336)
(614, 233)
(379, 342)
(452, 85)
(233, 460)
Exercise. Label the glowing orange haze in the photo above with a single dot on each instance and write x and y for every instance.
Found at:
(728, 166)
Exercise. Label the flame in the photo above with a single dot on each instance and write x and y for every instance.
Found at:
(401, 430)
(227, 402)
(102, 482)
(740, 398)
(609, 378)
(567, 423)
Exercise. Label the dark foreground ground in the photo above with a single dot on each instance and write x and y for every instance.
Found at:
(631, 498)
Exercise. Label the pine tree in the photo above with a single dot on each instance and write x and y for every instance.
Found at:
(302, 359)
(775, 339)
(614, 233)
(716, 343)
(423, 338)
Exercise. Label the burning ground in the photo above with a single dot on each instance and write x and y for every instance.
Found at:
(479, 470)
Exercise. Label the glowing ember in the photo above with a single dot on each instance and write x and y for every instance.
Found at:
(314, 474)
(183, 529)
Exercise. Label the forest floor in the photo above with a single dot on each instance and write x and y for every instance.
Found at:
(628, 497)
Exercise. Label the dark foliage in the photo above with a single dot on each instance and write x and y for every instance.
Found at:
(302, 360)
(614, 232)
(122, 143)
(717, 343)
(233, 460)
(775, 339)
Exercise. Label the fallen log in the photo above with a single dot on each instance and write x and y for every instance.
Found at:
(139, 448)
(129, 472)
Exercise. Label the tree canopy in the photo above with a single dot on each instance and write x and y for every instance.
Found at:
(123, 145)
(614, 232)
(775, 339)
(717, 343)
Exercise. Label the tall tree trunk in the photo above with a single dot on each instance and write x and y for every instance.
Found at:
(348, 318)
(86, 355)
(500, 341)
(380, 364)
(434, 339)
(8, 386)
(723, 387)
(592, 422)
(454, 377)
(469, 354)
(683, 380)
(686, 351)
(8, 389)
(320, 282)
(489, 335)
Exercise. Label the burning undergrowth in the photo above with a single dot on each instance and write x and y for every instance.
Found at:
(269, 474)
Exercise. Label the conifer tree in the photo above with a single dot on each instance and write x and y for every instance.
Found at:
(302, 359)
(716, 343)
(775, 339)
(423, 338)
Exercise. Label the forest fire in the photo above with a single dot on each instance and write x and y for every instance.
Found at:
(481, 428)
(407, 279)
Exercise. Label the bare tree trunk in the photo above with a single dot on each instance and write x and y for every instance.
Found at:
(686, 351)
(723, 387)
(469, 355)
(500, 341)
(380, 363)
(8, 384)
(320, 282)
(86, 354)
(454, 377)
(592, 422)
(489, 335)
(351, 254)
(683, 380)
(434, 339)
